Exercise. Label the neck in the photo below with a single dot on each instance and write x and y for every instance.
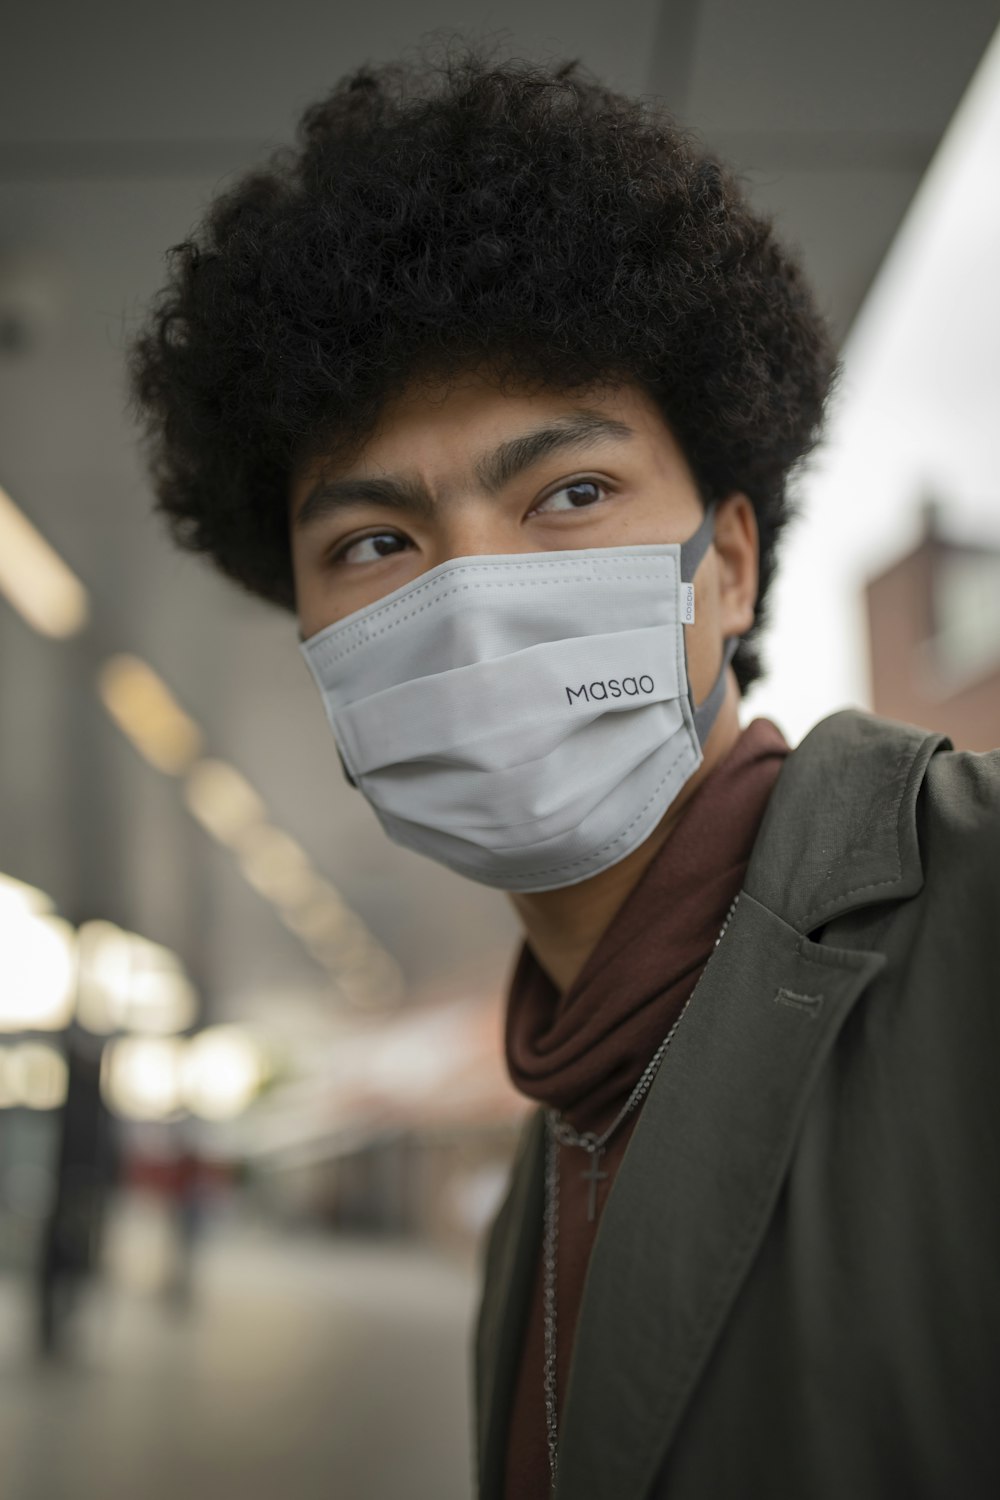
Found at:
(564, 926)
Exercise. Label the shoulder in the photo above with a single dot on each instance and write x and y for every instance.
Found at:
(963, 787)
(958, 814)
(839, 831)
(954, 794)
(864, 810)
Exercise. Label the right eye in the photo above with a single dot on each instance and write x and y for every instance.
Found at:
(369, 549)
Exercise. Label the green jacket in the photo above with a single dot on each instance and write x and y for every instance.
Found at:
(794, 1287)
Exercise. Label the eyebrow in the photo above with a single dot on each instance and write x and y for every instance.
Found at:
(493, 470)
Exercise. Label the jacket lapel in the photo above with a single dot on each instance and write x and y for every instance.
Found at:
(700, 1177)
(694, 1193)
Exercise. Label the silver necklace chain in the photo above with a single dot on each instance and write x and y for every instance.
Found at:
(561, 1132)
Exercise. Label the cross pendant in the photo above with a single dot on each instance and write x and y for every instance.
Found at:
(593, 1176)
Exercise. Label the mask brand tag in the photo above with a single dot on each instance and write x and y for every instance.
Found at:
(687, 603)
(614, 687)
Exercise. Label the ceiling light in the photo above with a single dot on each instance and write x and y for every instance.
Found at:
(275, 865)
(140, 1076)
(37, 971)
(221, 1072)
(26, 900)
(128, 982)
(222, 800)
(147, 712)
(35, 579)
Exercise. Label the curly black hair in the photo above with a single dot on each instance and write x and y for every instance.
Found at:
(439, 214)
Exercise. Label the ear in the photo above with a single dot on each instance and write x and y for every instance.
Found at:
(737, 547)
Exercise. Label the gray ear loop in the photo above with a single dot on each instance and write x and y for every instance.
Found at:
(694, 549)
(692, 552)
(706, 712)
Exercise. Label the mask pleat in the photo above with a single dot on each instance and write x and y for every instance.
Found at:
(467, 612)
(539, 797)
(499, 713)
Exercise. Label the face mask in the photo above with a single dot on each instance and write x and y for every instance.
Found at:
(525, 720)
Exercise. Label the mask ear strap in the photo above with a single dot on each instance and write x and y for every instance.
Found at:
(694, 549)
(706, 712)
(692, 552)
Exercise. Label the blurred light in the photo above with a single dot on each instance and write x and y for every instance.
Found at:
(26, 900)
(128, 982)
(35, 579)
(104, 968)
(162, 1001)
(221, 1072)
(33, 1074)
(378, 985)
(147, 712)
(6, 1092)
(349, 951)
(275, 865)
(37, 971)
(351, 943)
(366, 975)
(140, 1076)
(322, 914)
(279, 869)
(222, 800)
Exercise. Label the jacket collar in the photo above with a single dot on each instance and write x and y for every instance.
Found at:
(697, 1186)
(840, 831)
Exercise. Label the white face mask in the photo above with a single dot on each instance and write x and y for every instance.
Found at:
(525, 720)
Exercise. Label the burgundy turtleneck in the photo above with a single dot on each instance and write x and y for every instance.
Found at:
(583, 1052)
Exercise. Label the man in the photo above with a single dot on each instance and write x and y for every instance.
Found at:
(498, 383)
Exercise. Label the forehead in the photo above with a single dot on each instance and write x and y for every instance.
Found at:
(448, 422)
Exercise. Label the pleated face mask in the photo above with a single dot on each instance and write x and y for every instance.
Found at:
(525, 720)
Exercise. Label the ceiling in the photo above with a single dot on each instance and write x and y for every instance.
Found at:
(117, 125)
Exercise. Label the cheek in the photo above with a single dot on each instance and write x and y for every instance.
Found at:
(312, 607)
(656, 513)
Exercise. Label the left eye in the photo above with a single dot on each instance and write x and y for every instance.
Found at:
(370, 548)
(581, 493)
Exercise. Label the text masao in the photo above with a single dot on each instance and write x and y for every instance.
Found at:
(613, 687)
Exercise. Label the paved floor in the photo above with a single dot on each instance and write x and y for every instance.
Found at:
(305, 1367)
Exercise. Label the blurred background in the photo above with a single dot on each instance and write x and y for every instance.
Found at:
(254, 1114)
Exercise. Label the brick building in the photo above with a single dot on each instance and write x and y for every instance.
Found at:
(934, 637)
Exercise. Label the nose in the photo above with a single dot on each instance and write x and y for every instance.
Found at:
(477, 529)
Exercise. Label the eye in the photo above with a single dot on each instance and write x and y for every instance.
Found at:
(369, 549)
(577, 495)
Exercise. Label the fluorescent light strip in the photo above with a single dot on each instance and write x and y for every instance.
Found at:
(34, 578)
(147, 712)
(226, 805)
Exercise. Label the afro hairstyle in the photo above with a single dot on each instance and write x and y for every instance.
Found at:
(438, 214)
